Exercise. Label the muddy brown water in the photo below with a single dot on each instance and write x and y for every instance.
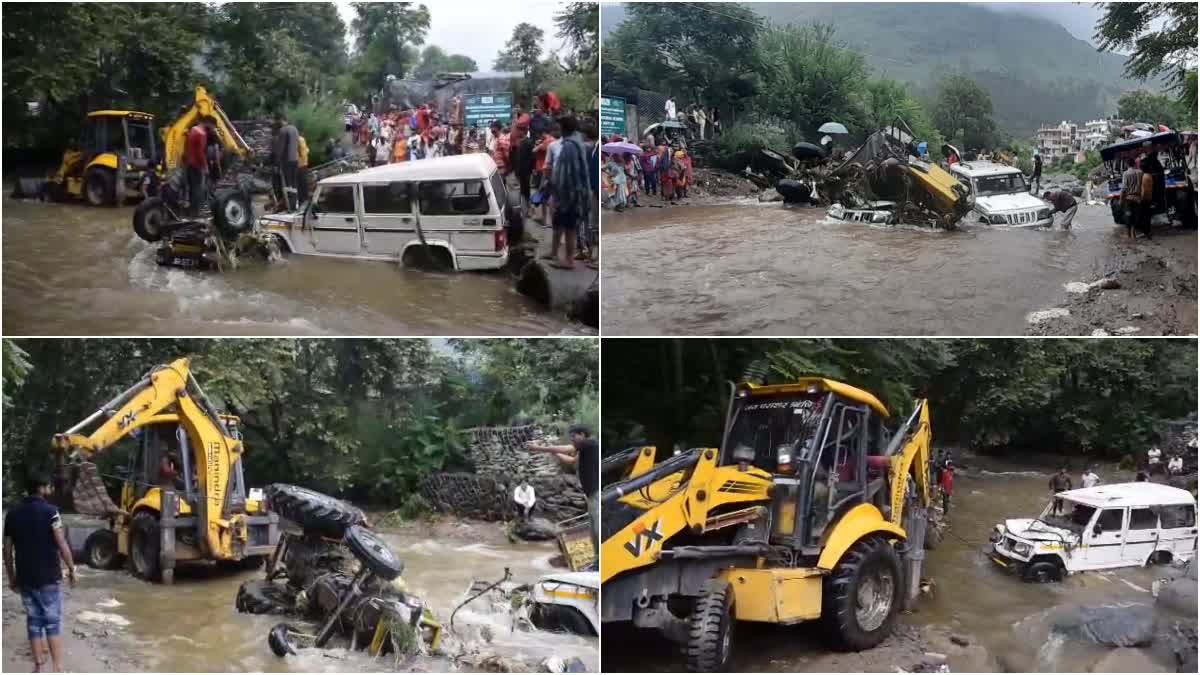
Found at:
(972, 597)
(767, 269)
(70, 269)
(193, 626)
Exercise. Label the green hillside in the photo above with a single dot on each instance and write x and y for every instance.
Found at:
(1035, 71)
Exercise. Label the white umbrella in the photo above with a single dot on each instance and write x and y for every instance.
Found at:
(833, 128)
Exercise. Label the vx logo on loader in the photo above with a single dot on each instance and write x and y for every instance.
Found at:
(644, 538)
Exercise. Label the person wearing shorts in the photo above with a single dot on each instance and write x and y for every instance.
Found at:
(34, 542)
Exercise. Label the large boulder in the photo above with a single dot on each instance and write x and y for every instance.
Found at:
(1179, 594)
(1113, 625)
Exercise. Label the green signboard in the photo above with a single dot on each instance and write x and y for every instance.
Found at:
(612, 116)
(480, 110)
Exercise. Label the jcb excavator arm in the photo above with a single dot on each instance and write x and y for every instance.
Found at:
(168, 394)
(909, 449)
(204, 109)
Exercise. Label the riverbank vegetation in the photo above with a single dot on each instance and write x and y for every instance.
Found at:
(788, 78)
(62, 60)
(365, 419)
(1096, 398)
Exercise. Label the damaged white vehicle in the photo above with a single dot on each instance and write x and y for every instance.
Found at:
(999, 195)
(1102, 527)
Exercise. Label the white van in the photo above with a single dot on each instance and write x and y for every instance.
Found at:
(1120, 525)
(458, 203)
(999, 195)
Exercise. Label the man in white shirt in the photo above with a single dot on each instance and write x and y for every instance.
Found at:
(1090, 479)
(670, 107)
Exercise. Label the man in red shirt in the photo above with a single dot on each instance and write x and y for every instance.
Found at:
(195, 159)
(947, 485)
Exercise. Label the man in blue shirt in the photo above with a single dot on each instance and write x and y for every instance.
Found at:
(33, 531)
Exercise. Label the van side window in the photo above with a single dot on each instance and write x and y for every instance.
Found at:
(1142, 519)
(388, 198)
(454, 198)
(1110, 520)
(1178, 515)
(336, 199)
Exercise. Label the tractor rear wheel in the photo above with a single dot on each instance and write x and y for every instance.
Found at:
(144, 546)
(100, 187)
(149, 218)
(861, 598)
(313, 511)
(710, 637)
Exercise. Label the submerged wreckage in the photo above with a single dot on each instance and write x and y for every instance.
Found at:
(332, 570)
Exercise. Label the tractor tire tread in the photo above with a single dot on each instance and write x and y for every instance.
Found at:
(705, 636)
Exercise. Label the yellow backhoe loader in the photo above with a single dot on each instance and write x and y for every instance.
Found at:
(199, 509)
(204, 110)
(809, 511)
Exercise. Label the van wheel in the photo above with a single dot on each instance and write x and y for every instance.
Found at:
(1160, 558)
(100, 550)
(710, 636)
(100, 187)
(862, 595)
(436, 259)
(1041, 572)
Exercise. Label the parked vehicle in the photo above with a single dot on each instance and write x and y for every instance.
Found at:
(1174, 194)
(1102, 527)
(999, 195)
(451, 211)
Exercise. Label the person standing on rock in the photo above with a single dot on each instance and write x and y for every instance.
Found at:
(1035, 181)
(584, 454)
(1059, 482)
(34, 542)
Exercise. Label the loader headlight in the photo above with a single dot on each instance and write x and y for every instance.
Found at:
(743, 454)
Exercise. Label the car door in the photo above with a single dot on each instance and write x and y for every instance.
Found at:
(459, 211)
(335, 221)
(1104, 538)
(388, 221)
(1142, 535)
(1178, 529)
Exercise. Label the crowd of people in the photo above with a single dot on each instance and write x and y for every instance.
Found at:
(663, 169)
(549, 153)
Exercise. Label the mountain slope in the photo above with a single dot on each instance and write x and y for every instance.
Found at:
(1035, 71)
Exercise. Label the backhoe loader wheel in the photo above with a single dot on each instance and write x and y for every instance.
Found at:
(373, 552)
(144, 546)
(313, 511)
(259, 596)
(149, 218)
(710, 638)
(100, 550)
(100, 187)
(862, 596)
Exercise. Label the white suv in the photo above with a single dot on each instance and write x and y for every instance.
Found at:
(1120, 525)
(999, 195)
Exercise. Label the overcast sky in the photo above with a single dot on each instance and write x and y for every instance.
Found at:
(479, 28)
(1079, 18)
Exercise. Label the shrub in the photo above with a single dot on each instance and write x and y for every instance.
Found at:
(731, 148)
(318, 122)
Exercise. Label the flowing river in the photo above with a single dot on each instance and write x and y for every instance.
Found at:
(765, 269)
(192, 626)
(971, 597)
(71, 269)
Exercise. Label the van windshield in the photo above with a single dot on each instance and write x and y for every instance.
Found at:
(1074, 517)
(1000, 185)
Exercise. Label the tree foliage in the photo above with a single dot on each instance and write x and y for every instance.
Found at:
(385, 37)
(1169, 51)
(579, 25)
(962, 112)
(1100, 398)
(435, 60)
(1142, 106)
(362, 418)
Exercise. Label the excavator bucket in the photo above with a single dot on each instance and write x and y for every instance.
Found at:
(89, 494)
(30, 188)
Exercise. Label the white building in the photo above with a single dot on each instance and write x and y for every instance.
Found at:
(1058, 141)
(1097, 134)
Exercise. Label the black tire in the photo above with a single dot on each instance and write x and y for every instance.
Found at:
(514, 218)
(144, 546)
(149, 218)
(851, 627)
(1041, 572)
(233, 213)
(560, 619)
(373, 552)
(100, 187)
(1159, 558)
(710, 637)
(280, 640)
(100, 550)
(315, 512)
(436, 259)
(259, 596)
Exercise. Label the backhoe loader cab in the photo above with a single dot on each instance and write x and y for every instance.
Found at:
(199, 510)
(803, 513)
(118, 150)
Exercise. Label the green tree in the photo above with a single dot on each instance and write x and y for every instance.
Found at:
(1169, 51)
(808, 77)
(885, 100)
(579, 25)
(435, 60)
(962, 112)
(1142, 106)
(522, 51)
(385, 34)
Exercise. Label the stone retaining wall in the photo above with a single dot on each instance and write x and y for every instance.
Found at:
(501, 462)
